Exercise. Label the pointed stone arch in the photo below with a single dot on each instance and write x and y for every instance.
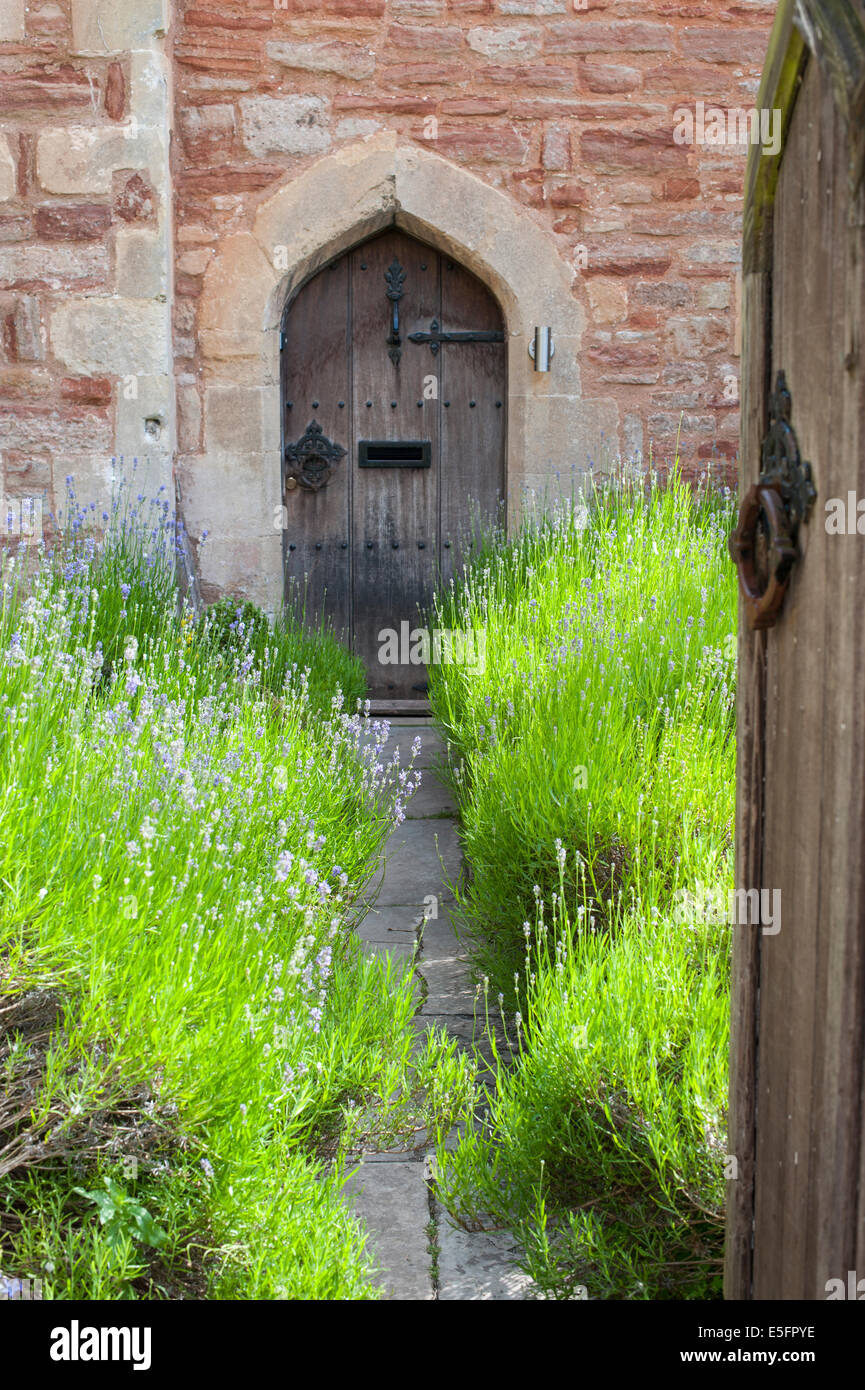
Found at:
(232, 487)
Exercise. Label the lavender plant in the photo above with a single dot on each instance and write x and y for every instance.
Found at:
(594, 773)
(184, 1009)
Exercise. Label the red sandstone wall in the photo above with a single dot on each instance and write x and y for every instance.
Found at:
(569, 111)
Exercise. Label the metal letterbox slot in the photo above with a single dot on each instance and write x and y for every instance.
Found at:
(394, 453)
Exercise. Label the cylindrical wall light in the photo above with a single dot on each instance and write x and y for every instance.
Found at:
(542, 349)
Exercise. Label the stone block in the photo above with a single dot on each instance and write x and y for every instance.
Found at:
(72, 221)
(86, 390)
(510, 42)
(285, 125)
(418, 864)
(556, 152)
(232, 497)
(356, 190)
(69, 430)
(82, 159)
(115, 92)
(428, 38)
(390, 926)
(236, 286)
(714, 294)
(345, 59)
(608, 299)
(450, 986)
(135, 199)
(116, 26)
(23, 383)
(150, 83)
(431, 800)
(119, 336)
(196, 261)
(241, 419)
(571, 435)
(251, 569)
(351, 129)
(188, 419)
(8, 173)
(23, 338)
(53, 267)
(145, 414)
(608, 78)
(632, 437)
(727, 44)
(16, 227)
(12, 21)
(26, 474)
(651, 151)
(586, 36)
(141, 264)
(697, 334)
(207, 128)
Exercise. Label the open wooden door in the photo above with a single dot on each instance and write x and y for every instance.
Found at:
(796, 1209)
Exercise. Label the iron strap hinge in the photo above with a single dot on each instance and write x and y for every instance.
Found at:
(436, 337)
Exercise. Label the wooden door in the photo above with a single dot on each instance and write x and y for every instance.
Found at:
(796, 1205)
(394, 416)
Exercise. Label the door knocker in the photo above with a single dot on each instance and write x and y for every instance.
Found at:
(312, 460)
(763, 545)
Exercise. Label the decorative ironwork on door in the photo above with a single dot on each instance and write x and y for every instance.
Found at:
(312, 459)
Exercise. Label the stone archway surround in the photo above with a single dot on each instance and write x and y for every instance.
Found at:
(232, 487)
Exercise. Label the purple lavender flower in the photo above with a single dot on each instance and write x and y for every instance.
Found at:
(283, 866)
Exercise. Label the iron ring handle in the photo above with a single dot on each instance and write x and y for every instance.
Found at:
(763, 605)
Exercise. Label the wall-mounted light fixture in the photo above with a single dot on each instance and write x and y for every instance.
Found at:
(542, 349)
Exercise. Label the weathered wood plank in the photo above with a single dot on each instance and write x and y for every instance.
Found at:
(745, 979)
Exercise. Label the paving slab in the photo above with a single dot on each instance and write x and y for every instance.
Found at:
(478, 1265)
(421, 857)
(402, 736)
(449, 987)
(392, 1201)
(398, 925)
(438, 938)
(432, 798)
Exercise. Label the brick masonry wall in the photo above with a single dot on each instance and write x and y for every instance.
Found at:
(103, 248)
(568, 110)
(85, 268)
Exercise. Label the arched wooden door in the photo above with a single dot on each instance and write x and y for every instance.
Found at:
(394, 414)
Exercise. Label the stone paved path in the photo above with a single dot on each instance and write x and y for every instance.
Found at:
(421, 1254)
